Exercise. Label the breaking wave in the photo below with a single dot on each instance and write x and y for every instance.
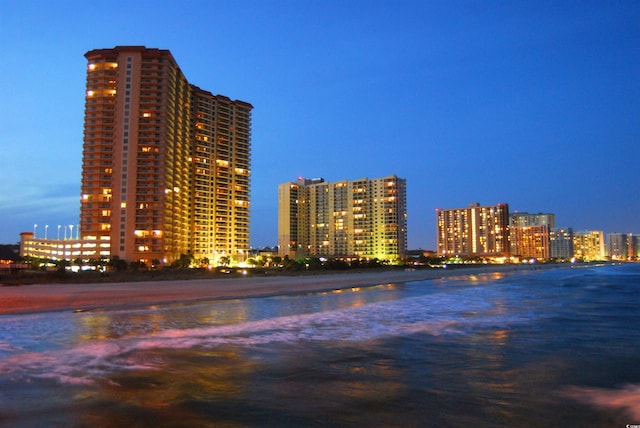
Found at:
(625, 399)
(439, 314)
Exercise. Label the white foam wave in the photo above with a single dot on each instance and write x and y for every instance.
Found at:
(433, 315)
(626, 398)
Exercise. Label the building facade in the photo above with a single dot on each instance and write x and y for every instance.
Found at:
(63, 249)
(166, 165)
(561, 243)
(475, 231)
(530, 242)
(364, 218)
(530, 235)
(634, 246)
(588, 245)
(522, 219)
(620, 246)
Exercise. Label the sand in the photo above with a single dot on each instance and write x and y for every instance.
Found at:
(123, 295)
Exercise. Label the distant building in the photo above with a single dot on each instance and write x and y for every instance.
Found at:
(473, 231)
(365, 218)
(634, 246)
(530, 235)
(561, 243)
(588, 245)
(530, 242)
(165, 164)
(522, 219)
(620, 246)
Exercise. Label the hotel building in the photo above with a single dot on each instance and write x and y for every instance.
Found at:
(364, 218)
(561, 243)
(481, 231)
(530, 242)
(165, 165)
(588, 245)
(530, 235)
(622, 246)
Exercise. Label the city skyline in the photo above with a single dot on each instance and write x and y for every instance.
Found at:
(533, 105)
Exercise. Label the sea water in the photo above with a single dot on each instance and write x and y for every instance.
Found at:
(550, 347)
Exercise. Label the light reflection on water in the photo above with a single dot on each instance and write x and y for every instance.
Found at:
(490, 350)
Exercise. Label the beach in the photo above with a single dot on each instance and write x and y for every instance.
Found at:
(57, 297)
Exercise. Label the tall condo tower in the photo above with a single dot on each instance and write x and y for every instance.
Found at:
(365, 218)
(166, 165)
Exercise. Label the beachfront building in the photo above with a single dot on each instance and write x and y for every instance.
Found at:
(165, 165)
(620, 246)
(634, 246)
(365, 218)
(588, 245)
(475, 231)
(530, 235)
(530, 242)
(561, 243)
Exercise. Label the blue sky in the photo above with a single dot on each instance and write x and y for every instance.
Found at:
(536, 104)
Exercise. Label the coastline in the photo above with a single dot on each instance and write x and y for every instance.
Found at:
(60, 297)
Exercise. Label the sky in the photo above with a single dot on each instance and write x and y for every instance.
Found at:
(531, 103)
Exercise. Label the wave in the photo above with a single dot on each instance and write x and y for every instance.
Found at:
(625, 398)
(440, 314)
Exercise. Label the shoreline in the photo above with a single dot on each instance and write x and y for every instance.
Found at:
(74, 297)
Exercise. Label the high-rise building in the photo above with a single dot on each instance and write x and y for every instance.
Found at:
(529, 234)
(588, 245)
(561, 243)
(619, 246)
(530, 242)
(166, 165)
(364, 218)
(481, 231)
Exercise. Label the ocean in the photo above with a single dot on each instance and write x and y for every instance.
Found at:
(535, 348)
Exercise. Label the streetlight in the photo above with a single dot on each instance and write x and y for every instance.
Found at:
(59, 232)
(71, 231)
(65, 232)
(35, 226)
(46, 227)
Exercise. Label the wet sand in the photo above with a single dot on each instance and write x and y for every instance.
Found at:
(86, 297)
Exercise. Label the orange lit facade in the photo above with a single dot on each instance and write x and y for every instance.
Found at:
(475, 231)
(530, 242)
(530, 235)
(166, 165)
(364, 218)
